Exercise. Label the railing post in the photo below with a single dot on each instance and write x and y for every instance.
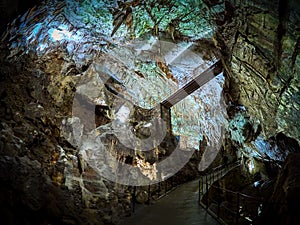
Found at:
(206, 184)
(199, 195)
(149, 194)
(133, 198)
(237, 208)
(158, 190)
(166, 187)
(206, 191)
(218, 210)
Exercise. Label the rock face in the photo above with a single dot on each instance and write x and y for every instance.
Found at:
(286, 194)
(10, 9)
(259, 41)
(42, 63)
(57, 107)
(261, 48)
(42, 178)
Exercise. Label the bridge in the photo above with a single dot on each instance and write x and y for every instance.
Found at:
(178, 204)
(187, 89)
(193, 85)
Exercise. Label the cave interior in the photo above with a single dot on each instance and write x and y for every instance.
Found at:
(108, 105)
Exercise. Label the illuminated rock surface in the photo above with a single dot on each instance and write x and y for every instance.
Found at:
(66, 83)
(65, 80)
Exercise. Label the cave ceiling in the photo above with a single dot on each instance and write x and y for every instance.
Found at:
(134, 43)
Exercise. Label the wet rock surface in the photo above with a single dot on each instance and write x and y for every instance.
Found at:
(285, 196)
(41, 180)
(46, 178)
(260, 43)
(47, 74)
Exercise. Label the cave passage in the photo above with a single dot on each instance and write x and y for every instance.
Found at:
(104, 113)
(179, 207)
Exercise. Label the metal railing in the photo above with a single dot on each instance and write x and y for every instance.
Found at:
(154, 191)
(206, 182)
(241, 209)
(212, 175)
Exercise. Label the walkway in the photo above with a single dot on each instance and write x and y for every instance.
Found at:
(179, 207)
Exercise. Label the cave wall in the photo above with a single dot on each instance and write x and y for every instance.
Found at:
(259, 41)
(260, 44)
(10, 9)
(286, 193)
(44, 177)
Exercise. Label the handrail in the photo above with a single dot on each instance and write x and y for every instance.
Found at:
(215, 169)
(259, 201)
(208, 184)
(164, 187)
(161, 189)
